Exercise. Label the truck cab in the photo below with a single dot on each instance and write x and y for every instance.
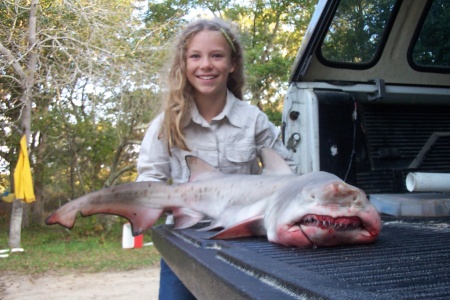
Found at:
(369, 100)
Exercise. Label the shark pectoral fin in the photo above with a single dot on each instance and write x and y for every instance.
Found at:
(185, 218)
(250, 227)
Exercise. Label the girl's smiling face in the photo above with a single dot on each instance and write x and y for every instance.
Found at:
(208, 63)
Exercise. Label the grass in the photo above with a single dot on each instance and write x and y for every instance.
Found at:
(87, 248)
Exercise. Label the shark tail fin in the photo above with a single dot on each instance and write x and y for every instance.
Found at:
(140, 217)
(65, 216)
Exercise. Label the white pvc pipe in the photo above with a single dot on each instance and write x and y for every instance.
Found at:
(428, 182)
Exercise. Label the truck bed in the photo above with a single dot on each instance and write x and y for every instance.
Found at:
(410, 260)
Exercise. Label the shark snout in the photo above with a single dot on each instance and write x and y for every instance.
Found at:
(338, 192)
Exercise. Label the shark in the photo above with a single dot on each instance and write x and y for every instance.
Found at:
(315, 209)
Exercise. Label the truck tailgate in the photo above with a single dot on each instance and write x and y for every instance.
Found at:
(411, 260)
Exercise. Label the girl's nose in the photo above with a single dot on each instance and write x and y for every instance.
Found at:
(206, 62)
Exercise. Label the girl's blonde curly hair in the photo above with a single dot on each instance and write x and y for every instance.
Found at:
(179, 97)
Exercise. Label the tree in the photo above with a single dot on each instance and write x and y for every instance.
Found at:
(87, 76)
(271, 32)
(433, 47)
(356, 31)
(88, 71)
(25, 78)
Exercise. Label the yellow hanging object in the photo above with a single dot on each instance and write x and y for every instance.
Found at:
(23, 185)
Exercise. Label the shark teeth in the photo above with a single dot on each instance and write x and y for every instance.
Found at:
(324, 222)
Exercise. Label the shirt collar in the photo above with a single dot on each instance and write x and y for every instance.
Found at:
(230, 111)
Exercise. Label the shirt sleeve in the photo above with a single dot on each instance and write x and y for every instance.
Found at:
(154, 160)
(268, 135)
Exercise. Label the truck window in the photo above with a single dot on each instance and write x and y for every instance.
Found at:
(356, 32)
(431, 48)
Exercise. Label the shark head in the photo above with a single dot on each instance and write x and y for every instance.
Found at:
(326, 212)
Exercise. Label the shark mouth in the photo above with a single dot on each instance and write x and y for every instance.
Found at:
(326, 222)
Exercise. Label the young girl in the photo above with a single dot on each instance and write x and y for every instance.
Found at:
(205, 117)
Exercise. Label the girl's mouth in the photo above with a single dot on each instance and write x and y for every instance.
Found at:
(206, 77)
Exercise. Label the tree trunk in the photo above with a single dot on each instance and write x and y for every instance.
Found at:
(16, 224)
(27, 82)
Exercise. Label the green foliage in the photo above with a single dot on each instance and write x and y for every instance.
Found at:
(356, 30)
(98, 80)
(87, 247)
(274, 112)
(95, 93)
(433, 46)
(271, 33)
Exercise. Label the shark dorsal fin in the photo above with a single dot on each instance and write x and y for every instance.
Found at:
(273, 163)
(200, 169)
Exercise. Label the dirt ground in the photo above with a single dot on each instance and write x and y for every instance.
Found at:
(134, 284)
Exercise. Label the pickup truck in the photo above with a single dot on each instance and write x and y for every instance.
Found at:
(368, 100)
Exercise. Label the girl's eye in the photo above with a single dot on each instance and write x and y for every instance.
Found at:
(194, 56)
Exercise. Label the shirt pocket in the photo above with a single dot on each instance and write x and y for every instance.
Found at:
(240, 153)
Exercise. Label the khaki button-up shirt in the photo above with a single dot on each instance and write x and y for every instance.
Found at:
(231, 143)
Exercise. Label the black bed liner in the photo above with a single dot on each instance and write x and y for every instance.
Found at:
(411, 260)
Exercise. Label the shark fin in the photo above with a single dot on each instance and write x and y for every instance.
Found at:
(145, 221)
(250, 227)
(273, 163)
(200, 169)
(185, 218)
(214, 225)
(140, 217)
(114, 200)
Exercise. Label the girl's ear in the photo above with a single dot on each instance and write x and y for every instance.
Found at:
(232, 67)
